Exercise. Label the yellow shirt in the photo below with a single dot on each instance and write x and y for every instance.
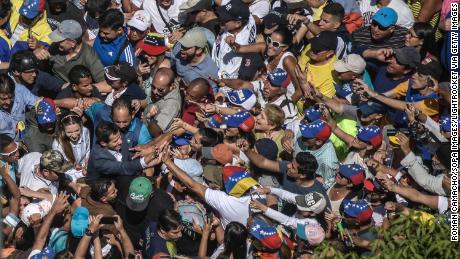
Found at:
(318, 11)
(322, 78)
(429, 107)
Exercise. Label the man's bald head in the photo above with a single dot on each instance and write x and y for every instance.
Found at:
(162, 83)
(198, 90)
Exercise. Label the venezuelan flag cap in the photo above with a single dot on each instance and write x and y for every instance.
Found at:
(237, 180)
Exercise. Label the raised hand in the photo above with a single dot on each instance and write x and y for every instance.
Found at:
(60, 203)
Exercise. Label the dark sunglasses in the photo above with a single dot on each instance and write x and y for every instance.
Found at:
(275, 44)
(375, 24)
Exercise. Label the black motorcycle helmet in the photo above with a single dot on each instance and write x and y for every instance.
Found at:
(22, 61)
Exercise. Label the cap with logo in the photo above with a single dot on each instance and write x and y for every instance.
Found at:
(408, 56)
(234, 10)
(353, 172)
(353, 63)
(153, 44)
(279, 78)
(326, 40)
(54, 161)
(45, 111)
(317, 129)
(313, 202)
(371, 135)
(141, 20)
(191, 6)
(195, 37)
(237, 180)
(268, 236)
(385, 17)
(139, 193)
(250, 64)
(244, 98)
(311, 232)
(67, 29)
(79, 222)
(32, 8)
(122, 71)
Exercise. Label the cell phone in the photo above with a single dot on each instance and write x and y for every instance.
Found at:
(108, 220)
(210, 216)
(142, 58)
(392, 132)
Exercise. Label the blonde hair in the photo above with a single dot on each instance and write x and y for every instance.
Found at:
(275, 115)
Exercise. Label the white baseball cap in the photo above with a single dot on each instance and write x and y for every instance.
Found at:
(353, 62)
(141, 20)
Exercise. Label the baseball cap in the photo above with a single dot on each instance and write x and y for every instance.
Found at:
(373, 185)
(237, 180)
(371, 135)
(317, 129)
(312, 113)
(326, 40)
(45, 111)
(277, 16)
(153, 44)
(79, 222)
(191, 6)
(279, 78)
(371, 107)
(445, 124)
(267, 148)
(31, 8)
(244, 98)
(359, 209)
(250, 64)
(268, 236)
(221, 153)
(234, 10)
(194, 38)
(67, 29)
(217, 121)
(213, 174)
(353, 172)
(313, 202)
(386, 17)
(353, 62)
(242, 120)
(141, 20)
(122, 71)
(192, 167)
(182, 140)
(311, 232)
(54, 161)
(47, 252)
(432, 68)
(408, 56)
(139, 193)
(32, 209)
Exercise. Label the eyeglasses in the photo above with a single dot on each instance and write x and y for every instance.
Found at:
(375, 24)
(275, 44)
(12, 152)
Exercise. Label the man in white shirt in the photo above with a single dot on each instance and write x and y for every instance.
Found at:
(370, 7)
(240, 27)
(41, 171)
(164, 13)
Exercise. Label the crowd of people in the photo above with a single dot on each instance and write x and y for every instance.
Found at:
(220, 128)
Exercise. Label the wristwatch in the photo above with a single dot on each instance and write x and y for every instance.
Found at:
(89, 233)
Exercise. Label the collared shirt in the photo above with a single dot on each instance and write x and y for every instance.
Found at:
(27, 167)
(23, 99)
(80, 149)
(107, 52)
(326, 157)
(169, 107)
(86, 57)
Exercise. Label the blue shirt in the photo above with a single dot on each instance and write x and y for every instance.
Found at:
(99, 112)
(107, 52)
(23, 99)
(188, 72)
(383, 83)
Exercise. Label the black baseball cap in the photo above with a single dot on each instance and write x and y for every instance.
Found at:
(249, 66)
(234, 10)
(277, 16)
(326, 40)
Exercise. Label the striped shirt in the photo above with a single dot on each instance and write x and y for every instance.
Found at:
(362, 39)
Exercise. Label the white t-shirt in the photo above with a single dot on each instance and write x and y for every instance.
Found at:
(259, 8)
(26, 167)
(405, 16)
(171, 15)
(226, 59)
(80, 149)
(230, 208)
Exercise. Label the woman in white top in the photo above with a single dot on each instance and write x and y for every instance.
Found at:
(73, 140)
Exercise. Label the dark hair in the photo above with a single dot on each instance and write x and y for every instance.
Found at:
(99, 188)
(121, 103)
(66, 120)
(5, 140)
(425, 32)
(286, 34)
(7, 85)
(235, 238)
(65, 254)
(307, 165)
(5, 8)
(104, 130)
(112, 19)
(336, 10)
(27, 239)
(97, 7)
(169, 220)
(443, 155)
(210, 137)
(78, 72)
(23, 60)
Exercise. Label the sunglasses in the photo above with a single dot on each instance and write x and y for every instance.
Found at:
(275, 44)
(134, 29)
(12, 152)
(375, 24)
